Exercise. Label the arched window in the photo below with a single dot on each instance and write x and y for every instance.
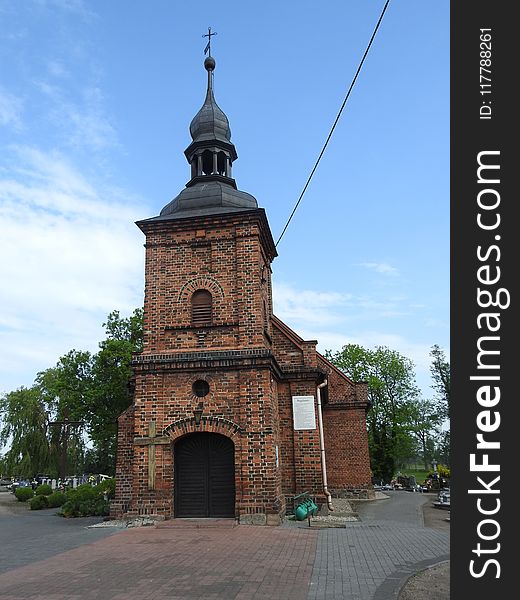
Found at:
(201, 308)
(207, 162)
(221, 163)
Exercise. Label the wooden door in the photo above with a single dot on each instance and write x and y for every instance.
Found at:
(204, 476)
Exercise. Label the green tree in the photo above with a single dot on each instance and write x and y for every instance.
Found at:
(45, 426)
(424, 425)
(441, 375)
(66, 386)
(24, 428)
(129, 330)
(391, 390)
(443, 449)
(111, 391)
(3, 466)
(65, 389)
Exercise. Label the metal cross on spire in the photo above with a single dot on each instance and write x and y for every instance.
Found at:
(207, 49)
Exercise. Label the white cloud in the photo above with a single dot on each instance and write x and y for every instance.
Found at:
(57, 69)
(71, 6)
(385, 308)
(11, 108)
(380, 267)
(90, 128)
(332, 308)
(335, 319)
(435, 323)
(418, 353)
(320, 308)
(82, 123)
(71, 253)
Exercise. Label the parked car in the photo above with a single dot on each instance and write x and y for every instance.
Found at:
(41, 477)
(5, 482)
(20, 483)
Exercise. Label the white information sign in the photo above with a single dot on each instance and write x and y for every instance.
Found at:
(304, 416)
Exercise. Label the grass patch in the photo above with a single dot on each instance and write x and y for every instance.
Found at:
(420, 475)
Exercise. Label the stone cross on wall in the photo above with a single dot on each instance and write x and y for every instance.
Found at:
(152, 441)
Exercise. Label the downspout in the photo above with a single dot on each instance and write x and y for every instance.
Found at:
(322, 449)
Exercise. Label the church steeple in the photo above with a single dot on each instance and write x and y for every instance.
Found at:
(211, 151)
(210, 123)
(211, 154)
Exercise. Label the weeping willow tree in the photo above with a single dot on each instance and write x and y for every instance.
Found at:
(36, 423)
(45, 427)
(34, 444)
(64, 389)
(24, 427)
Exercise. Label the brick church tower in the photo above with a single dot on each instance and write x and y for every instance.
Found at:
(227, 419)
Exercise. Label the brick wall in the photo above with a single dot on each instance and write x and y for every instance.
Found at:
(226, 255)
(229, 256)
(241, 405)
(346, 443)
(253, 364)
(125, 445)
(345, 433)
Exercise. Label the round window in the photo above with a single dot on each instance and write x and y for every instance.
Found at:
(201, 388)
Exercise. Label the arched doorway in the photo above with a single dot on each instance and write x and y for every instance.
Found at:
(204, 476)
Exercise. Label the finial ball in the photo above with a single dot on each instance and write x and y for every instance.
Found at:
(209, 63)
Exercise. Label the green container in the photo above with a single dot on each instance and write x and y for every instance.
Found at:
(306, 509)
(312, 508)
(301, 512)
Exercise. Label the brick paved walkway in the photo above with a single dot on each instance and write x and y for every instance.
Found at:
(154, 564)
(371, 562)
(366, 560)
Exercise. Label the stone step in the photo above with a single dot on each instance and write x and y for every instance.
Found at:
(197, 524)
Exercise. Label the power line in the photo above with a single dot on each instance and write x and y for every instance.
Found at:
(337, 119)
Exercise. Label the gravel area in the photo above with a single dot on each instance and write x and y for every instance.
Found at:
(430, 584)
(137, 522)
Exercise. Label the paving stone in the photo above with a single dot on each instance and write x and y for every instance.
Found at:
(366, 560)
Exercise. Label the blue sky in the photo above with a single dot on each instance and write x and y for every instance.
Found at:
(96, 98)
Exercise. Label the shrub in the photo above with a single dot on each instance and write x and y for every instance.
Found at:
(85, 508)
(56, 499)
(84, 501)
(442, 471)
(24, 493)
(39, 502)
(83, 492)
(43, 490)
(108, 486)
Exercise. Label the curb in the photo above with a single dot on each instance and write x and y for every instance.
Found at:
(394, 584)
